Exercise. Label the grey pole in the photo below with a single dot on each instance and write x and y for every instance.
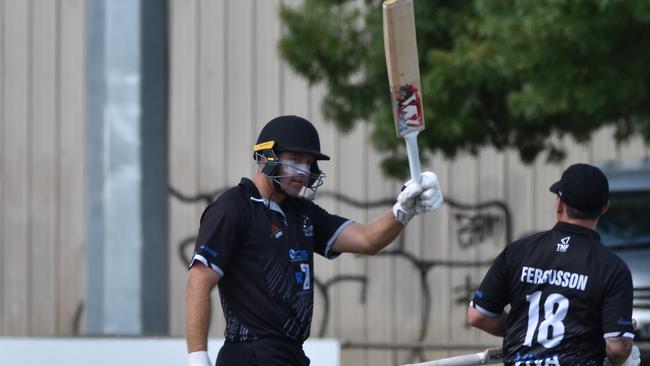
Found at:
(154, 132)
(127, 260)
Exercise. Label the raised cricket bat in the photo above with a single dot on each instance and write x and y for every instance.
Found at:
(489, 356)
(404, 76)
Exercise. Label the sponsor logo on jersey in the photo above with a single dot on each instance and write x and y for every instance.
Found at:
(624, 322)
(298, 254)
(530, 359)
(563, 245)
(307, 227)
(303, 279)
(554, 277)
(276, 232)
(204, 249)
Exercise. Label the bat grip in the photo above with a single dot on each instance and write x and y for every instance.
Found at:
(464, 360)
(411, 140)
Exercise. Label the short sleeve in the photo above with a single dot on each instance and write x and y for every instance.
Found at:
(219, 233)
(617, 304)
(492, 295)
(327, 228)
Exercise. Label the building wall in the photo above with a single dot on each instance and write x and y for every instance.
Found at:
(227, 82)
(42, 106)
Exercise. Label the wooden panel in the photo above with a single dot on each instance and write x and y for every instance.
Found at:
(519, 191)
(182, 155)
(463, 176)
(210, 65)
(72, 94)
(267, 82)
(43, 208)
(543, 200)
(293, 94)
(349, 311)
(239, 100)
(602, 146)
(16, 158)
(576, 152)
(635, 148)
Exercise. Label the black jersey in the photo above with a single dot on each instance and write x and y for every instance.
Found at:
(567, 293)
(264, 254)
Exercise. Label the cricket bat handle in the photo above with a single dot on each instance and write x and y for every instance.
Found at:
(464, 360)
(413, 154)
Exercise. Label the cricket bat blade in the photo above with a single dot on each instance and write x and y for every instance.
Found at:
(401, 51)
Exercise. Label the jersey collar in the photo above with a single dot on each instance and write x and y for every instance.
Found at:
(577, 229)
(255, 196)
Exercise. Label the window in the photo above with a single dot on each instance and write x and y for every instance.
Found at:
(626, 225)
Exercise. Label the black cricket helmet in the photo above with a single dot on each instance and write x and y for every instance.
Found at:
(289, 133)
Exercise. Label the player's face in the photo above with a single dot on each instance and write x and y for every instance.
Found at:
(294, 172)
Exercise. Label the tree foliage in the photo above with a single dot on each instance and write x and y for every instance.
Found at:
(514, 73)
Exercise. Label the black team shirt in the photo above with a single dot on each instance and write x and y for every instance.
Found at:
(567, 292)
(264, 255)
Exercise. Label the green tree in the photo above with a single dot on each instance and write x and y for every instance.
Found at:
(516, 73)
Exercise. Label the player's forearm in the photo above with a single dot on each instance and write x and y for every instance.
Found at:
(493, 325)
(197, 315)
(369, 238)
(617, 349)
(382, 232)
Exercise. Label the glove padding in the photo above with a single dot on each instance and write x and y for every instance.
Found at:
(634, 359)
(417, 198)
(199, 358)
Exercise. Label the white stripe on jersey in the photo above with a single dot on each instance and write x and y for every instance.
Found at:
(483, 310)
(202, 259)
(618, 334)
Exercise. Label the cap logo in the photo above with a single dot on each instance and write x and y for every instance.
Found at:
(264, 145)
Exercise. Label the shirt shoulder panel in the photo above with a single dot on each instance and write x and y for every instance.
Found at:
(221, 226)
(327, 227)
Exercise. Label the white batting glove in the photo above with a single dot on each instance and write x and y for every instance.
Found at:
(199, 358)
(417, 198)
(404, 208)
(634, 359)
(431, 197)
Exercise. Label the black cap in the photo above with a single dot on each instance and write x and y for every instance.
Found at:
(292, 133)
(583, 187)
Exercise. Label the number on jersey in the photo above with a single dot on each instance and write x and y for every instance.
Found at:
(550, 331)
